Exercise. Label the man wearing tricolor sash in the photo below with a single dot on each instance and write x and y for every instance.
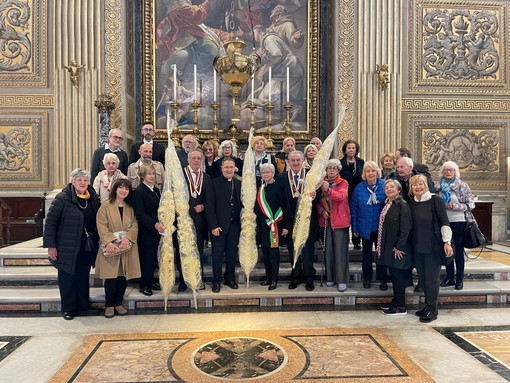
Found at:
(270, 219)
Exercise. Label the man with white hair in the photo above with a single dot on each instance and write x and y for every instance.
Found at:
(115, 138)
(188, 143)
(404, 171)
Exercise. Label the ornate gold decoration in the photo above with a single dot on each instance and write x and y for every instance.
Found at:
(248, 249)
(104, 103)
(455, 104)
(458, 47)
(23, 43)
(74, 70)
(346, 67)
(383, 76)
(27, 100)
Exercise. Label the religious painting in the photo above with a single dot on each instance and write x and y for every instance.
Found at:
(189, 34)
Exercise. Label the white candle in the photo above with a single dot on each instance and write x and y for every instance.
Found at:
(195, 81)
(175, 83)
(270, 86)
(288, 86)
(168, 120)
(214, 85)
(252, 89)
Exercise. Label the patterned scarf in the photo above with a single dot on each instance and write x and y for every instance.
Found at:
(326, 201)
(379, 228)
(373, 197)
(446, 189)
(85, 195)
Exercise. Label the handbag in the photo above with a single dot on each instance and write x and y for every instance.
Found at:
(473, 236)
(91, 241)
(119, 235)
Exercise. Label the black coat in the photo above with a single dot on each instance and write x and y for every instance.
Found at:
(64, 227)
(405, 184)
(353, 177)
(97, 161)
(158, 152)
(216, 167)
(199, 218)
(274, 199)
(396, 233)
(146, 204)
(218, 208)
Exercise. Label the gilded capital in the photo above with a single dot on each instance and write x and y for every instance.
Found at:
(104, 104)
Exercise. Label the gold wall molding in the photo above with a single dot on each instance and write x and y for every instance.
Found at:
(410, 104)
(23, 149)
(27, 100)
(24, 57)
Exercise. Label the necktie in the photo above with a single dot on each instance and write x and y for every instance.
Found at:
(196, 175)
(296, 179)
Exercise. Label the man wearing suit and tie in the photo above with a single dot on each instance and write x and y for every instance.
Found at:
(291, 185)
(158, 150)
(223, 213)
(145, 203)
(197, 181)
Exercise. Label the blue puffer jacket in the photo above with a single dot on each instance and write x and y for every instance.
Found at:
(365, 218)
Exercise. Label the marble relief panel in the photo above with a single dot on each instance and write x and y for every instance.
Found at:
(477, 145)
(23, 50)
(23, 143)
(458, 46)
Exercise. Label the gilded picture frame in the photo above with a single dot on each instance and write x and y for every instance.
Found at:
(165, 53)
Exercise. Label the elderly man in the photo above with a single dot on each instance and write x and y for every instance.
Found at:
(404, 171)
(115, 138)
(291, 185)
(189, 142)
(148, 133)
(223, 212)
(420, 168)
(145, 153)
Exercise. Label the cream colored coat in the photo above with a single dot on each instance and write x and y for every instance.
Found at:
(108, 222)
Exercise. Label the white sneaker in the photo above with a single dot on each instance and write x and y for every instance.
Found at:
(342, 287)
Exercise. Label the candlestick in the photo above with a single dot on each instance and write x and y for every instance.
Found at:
(288, 129)
(175, 83)
(252, 108)
(195, 105)
(215, 129)
(252, 89)
(270, 144)
(195, 81)
(270, 86)
(175, 133)
(288, 85)
(214, 85)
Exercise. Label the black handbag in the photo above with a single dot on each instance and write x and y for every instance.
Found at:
(91, 241)
(473, 236)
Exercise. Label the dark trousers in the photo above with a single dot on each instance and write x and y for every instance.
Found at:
(114, 289)
(399, 278)
(429, 270)
(271, 262)
(458, 229)
(304, 266)
(148, 262)
(74, 288)
(368, 260)
(225, 244)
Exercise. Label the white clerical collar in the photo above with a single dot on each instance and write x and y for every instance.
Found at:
(107, 147)
(150, 187)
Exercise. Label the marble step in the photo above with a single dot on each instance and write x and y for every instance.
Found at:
(47, 299)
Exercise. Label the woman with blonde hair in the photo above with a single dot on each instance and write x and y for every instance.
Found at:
(288, 145)
(310, 152)
(388, 162)
(259, 145)
(210, 149)
(105, 178)
(431, 248)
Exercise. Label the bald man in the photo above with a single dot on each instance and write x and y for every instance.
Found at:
(145, 153)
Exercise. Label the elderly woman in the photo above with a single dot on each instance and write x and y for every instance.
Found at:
(352, 170)
(366, 204)
(259, 145)
(458, 200)
(431, 248)
(210, 149)
(270, 217)
(335, 218)
(145, 203)
(282, 163)
(70, 220)
(388, 162)
(310, 152)
(105, 178)
(227, 149)
(118, 262)
(393, 245)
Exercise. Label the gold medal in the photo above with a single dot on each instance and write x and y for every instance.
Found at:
(297, 194)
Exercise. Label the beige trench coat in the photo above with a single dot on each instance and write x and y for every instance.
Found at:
(109, 221)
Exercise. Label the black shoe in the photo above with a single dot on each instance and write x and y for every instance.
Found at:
(389, 305)
(273, 286)
(88, 311)
(232, 285)
(182, 287)
(310, 286)
(447, 282)
(421, 312)
(68, 315)
(459, 285)
(383, 286)
(216, 287)
(418, 289)
(156, 286)
(267, 282)
(357, 247)
(293, 284)
(146, 291)
(429, 316)
(367, 284)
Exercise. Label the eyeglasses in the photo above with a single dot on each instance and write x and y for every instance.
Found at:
(227, 147)
(117, 138)
(148, 129)
(208, 149)
(111, 163)
(448, 170)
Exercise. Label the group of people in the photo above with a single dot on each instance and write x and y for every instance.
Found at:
(385, 208)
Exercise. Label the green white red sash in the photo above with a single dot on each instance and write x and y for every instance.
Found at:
(271, 219)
